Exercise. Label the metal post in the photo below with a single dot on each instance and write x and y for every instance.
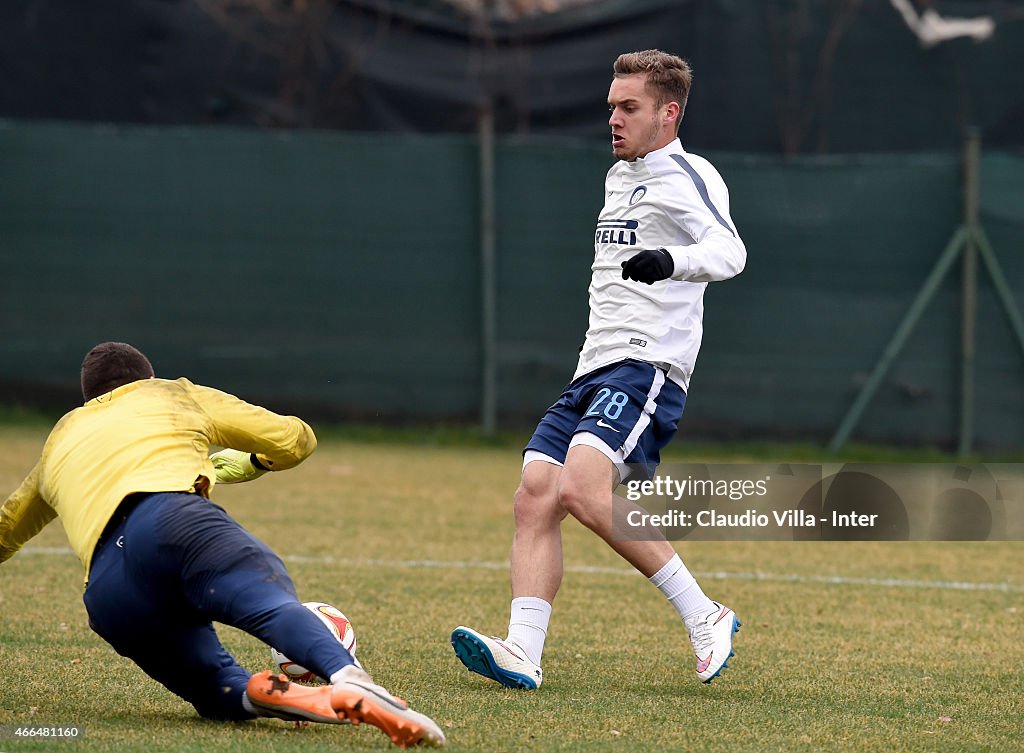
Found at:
(971, 238)
(1003, 289)
(488, 273)
(969, 309)
(924, 296)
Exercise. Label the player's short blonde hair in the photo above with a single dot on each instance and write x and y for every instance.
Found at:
(668, 77)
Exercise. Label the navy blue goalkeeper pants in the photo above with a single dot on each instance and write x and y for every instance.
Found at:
(173, 565)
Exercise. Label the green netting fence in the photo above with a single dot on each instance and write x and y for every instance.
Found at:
(339, 274)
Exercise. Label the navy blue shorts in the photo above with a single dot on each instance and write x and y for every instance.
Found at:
(630, 405)
(175, 564)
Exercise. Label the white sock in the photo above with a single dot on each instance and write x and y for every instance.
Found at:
(342, 674)
(528, 625)
(681, 589)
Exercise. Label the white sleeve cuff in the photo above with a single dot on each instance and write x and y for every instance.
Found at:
(680, 263)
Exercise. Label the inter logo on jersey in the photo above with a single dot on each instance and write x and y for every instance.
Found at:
(621, 232)
(638, 193)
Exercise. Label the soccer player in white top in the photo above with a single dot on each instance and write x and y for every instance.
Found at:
(665, 232)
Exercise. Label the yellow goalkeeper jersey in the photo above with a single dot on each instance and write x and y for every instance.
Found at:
(152, 435)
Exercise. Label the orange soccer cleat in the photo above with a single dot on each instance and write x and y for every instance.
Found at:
(354, 699)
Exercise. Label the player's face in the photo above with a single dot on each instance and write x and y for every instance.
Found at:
(639, 126)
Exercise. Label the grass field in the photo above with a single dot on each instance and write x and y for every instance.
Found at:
(411, 539)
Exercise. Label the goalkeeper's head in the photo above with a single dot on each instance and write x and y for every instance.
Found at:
(111, 365)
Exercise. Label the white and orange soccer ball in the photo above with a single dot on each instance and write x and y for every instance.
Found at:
(339, 626)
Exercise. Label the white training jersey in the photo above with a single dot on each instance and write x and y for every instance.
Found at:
(673, 200)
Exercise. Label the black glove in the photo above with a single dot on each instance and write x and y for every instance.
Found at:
(649, 266)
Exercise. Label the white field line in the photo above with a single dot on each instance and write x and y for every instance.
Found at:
(831, 580)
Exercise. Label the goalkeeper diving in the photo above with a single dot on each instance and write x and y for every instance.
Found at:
(130, 476)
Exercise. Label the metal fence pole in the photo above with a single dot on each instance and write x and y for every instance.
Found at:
(971, 239)
(906, 326)
(1003, 289)
(488, 273)
(969, 307)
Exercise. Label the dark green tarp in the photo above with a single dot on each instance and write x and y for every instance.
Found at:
(338, 274)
